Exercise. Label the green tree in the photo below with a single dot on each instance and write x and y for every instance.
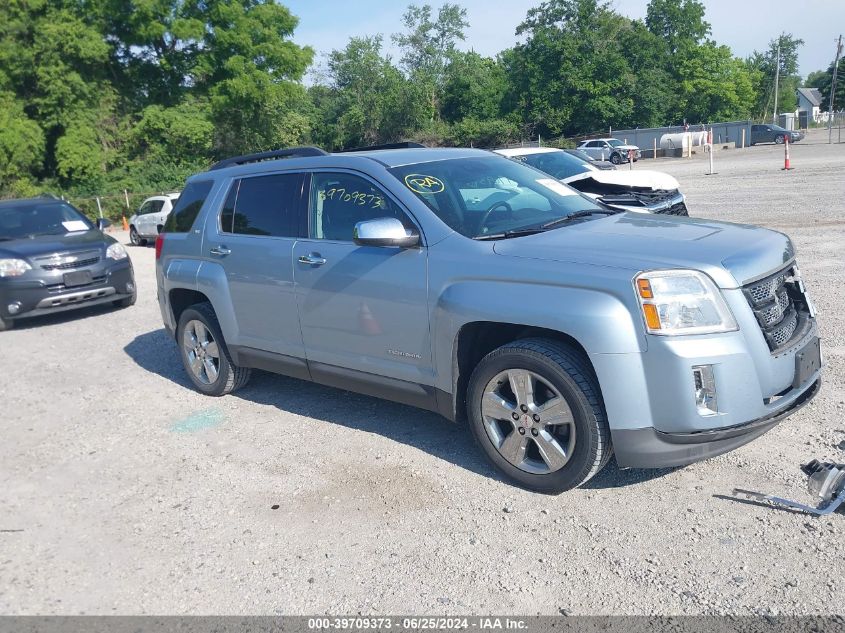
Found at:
(677, 22)
(21, 143)
(428, 45)
(714, 85)
(475, 86)
(765, 65)
(822, 79)
(367, 100)
(571, 75)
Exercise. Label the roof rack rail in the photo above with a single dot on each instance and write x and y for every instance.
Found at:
(399, 145)
(290, 152)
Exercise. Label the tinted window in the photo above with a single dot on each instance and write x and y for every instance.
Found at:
(263, 205)
(188, 207)
(340, 201)
(157, 206)
(144, 208)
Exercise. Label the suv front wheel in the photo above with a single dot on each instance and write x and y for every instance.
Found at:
(204, 353)
(535, 409)
(616, 158)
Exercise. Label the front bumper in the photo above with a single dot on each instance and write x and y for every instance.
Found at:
(650, 448)
(47, 295)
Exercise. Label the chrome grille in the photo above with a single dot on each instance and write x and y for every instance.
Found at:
(779, 306)
(784, 331)
(70, 265)
(764, 291)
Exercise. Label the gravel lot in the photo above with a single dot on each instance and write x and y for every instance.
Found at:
(124, 491)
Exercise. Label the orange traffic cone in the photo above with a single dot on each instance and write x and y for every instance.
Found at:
(786, 166)
(125, 224)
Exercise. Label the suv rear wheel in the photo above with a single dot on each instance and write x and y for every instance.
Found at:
(205, 355)
(535, 410)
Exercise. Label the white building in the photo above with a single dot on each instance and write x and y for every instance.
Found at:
(810, 101)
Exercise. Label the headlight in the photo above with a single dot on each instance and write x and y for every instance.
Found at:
(682, 302)
(13, 267)
(116, 251)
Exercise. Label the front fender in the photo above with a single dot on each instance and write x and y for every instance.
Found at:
(599, 321)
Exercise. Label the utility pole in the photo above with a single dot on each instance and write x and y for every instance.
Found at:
(833, 91)
(777, 78)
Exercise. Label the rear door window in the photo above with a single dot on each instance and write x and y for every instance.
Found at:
(188, 206)
(263, 205)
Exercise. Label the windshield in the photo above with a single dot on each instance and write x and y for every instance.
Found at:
(559, 164)
(31, 218)
(490, 195)
(615, 142)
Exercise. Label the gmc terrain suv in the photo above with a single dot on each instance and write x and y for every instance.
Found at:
(466, 283)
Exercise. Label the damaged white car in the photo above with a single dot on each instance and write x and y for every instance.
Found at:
(641, 191)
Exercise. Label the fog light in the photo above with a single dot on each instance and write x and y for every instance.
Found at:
(14, 308)
(130, 287)
(705, 389)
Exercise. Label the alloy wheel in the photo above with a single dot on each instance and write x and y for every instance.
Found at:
(202, 352)
(528, 421)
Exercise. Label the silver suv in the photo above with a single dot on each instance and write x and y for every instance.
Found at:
(462, 282)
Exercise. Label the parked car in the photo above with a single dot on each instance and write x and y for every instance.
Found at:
(52, 258)
(466, 283)
(611, 149)
(148, 221)
(765, 133)
(601, 164)
(639, 191)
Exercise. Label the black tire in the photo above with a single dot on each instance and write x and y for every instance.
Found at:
(779, 139)
(6, 325)
(125, 302)
(230, 377)
(569, 372)
(616, 159)
(134, 238)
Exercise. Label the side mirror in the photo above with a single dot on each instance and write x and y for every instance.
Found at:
(384, 232)
(102, 223)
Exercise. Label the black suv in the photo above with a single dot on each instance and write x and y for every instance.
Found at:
(773, 134)
(52, 258)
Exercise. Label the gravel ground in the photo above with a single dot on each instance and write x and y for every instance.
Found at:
(124, 491)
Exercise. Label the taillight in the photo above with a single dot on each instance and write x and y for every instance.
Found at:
(159, 244)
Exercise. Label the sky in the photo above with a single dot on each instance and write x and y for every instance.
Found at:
(744, 25)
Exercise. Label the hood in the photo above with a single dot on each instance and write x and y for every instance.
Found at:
(732, 254)
(48, 244)
(654, 180)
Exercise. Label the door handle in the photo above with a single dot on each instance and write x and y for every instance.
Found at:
(222, 251)
(312, 259)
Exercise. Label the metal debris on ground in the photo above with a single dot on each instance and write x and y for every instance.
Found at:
(826, 481)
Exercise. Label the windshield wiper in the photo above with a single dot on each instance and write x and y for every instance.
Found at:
(507, 234)
(584, 213)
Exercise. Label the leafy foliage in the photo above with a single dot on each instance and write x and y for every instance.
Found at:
(98, 96)
(823, 79)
